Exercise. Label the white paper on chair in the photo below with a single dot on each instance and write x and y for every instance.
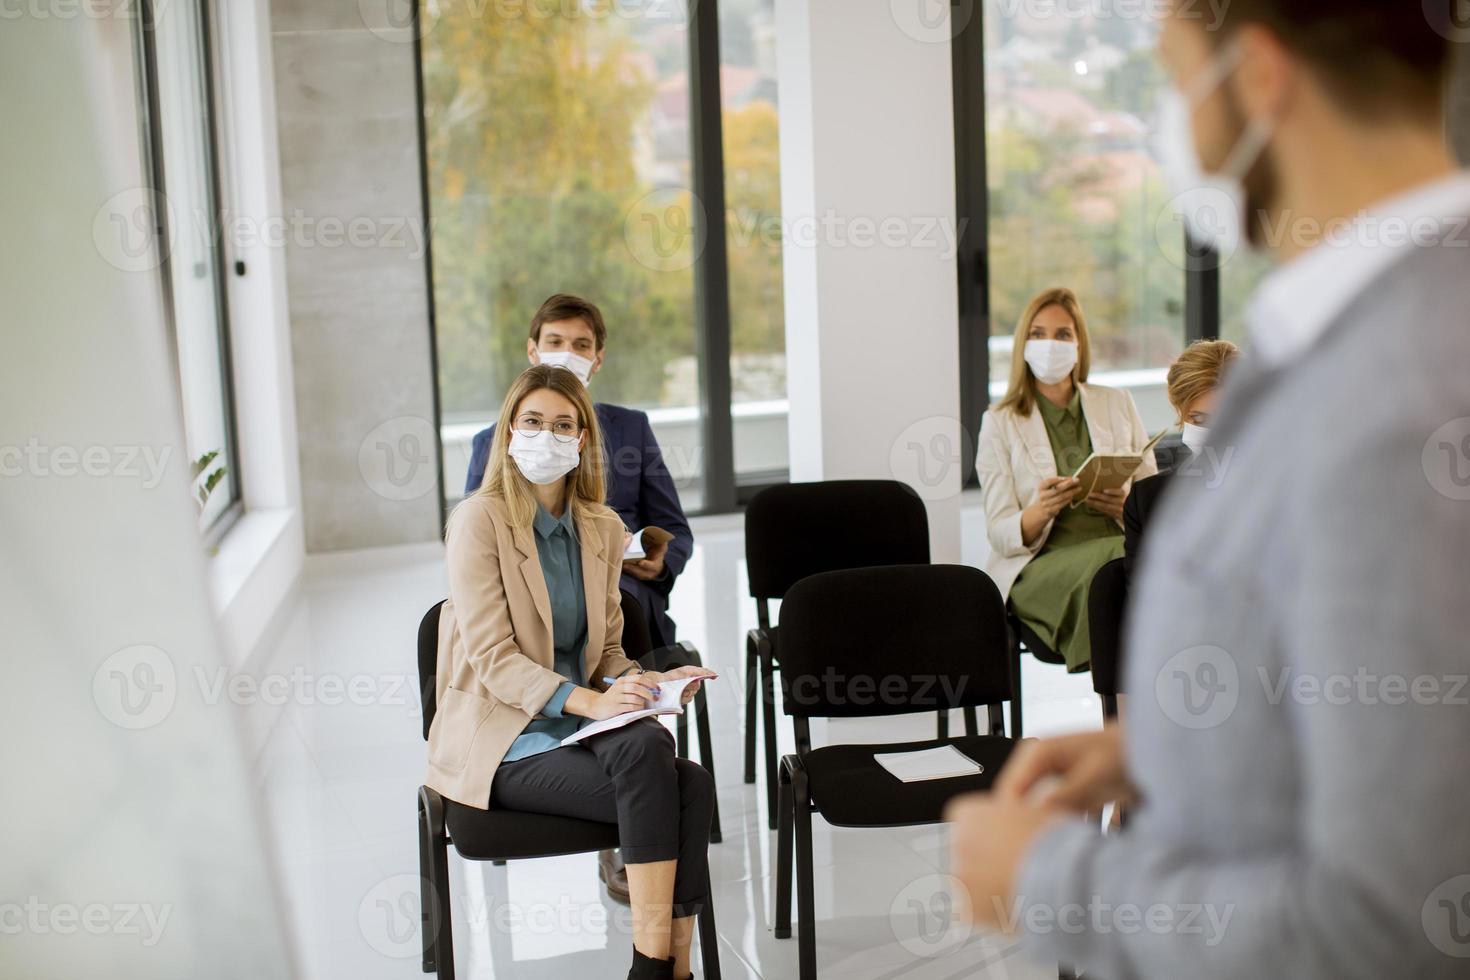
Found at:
(945, 762)
(669, 695)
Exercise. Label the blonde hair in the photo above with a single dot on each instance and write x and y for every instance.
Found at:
(1021, 390)
(584, 485)
(1197, 372)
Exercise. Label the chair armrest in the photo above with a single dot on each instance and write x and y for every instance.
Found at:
(759, 640)
(792, 764)
(681, 654)
(432, 804)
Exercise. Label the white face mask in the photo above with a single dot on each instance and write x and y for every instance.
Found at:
(1050, 360)
(1213, 206)
(1194, 437)
(543, 458)
(575, 363)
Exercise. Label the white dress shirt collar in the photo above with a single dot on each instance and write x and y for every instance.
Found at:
(1300, 300)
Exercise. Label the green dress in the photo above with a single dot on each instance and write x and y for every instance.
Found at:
(1050, 596)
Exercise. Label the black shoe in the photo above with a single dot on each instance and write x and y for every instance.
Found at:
(645, 968)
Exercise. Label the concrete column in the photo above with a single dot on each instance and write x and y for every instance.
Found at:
(868, 199)
(357, 282)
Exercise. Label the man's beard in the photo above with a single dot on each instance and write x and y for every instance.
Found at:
(1261, 182)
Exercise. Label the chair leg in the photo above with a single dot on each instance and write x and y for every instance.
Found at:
(428, 924)
(768, 706)
(783, 856)
(941, 726)
(709, 940)
(806, 915)
(681, 735)
(444, 935)
(439, 937)
(1017, 731)
(972, 724)
(707, 756)
(752, 687)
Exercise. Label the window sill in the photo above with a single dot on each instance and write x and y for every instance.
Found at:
(251, 574)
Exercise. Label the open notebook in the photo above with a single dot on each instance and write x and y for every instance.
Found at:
(669, 693)
(1109, 471)
(645, 541)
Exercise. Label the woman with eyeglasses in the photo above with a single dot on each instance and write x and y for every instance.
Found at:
(530, 650)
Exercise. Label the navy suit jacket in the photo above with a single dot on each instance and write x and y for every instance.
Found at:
(641, 490)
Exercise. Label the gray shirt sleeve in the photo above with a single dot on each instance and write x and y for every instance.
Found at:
(1369, 665)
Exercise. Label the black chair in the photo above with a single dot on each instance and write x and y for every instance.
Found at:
(881, 641)
(1022, 638)
(1107, 600)
(637, 638)
(497, 836)
(800, 529)
(638, 645)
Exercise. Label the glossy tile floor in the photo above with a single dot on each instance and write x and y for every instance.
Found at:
(340, 756)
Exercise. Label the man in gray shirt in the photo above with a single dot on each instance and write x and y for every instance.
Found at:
(1297, 736)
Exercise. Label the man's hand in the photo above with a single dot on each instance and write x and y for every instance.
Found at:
(1084, 772)
(1108, 503)
(989, 837)
(651, 566)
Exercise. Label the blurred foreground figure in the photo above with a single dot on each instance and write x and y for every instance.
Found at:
(1297, 654)
(132, 847)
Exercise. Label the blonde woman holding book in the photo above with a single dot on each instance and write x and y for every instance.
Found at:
(1044, 551)
(532, 626)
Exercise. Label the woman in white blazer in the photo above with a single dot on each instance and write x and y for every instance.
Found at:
(1044, 552)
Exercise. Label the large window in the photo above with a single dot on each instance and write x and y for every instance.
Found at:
(180, 113)
(1074, 188)
(1239, 276)
(753, 231)
(562, 155)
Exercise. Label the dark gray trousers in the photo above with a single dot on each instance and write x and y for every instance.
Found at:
(662, 804)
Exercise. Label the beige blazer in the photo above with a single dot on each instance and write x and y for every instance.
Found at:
(1015, 456)
(495, 669)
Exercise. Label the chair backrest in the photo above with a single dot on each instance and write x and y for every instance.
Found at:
(637, 640)
(893, 640)
(800, 529)
(428, 662)
(1107, 599)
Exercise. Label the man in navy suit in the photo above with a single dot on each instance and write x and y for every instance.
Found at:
(570, 332)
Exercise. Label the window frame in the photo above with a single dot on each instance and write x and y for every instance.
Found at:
(721, 488)
(972, 200)
(153, 168)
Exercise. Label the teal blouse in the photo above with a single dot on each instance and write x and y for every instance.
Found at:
(561, 565)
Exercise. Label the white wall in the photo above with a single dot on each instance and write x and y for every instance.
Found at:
(867, 195)
(347, 118)
(132, 845)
